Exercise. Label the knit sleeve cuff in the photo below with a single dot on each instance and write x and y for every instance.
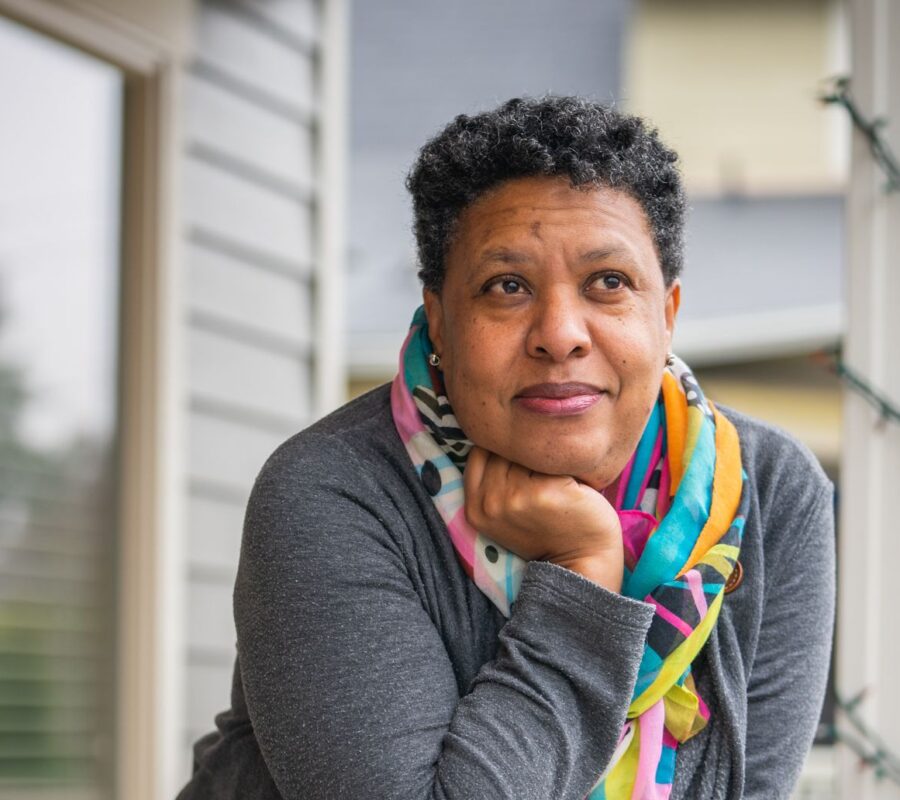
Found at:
(550, 583)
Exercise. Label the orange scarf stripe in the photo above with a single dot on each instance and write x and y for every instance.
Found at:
(676, 428)
(726, 489)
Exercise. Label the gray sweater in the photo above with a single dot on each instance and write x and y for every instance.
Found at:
(370, 666)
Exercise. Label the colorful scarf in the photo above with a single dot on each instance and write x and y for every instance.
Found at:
(682, 501)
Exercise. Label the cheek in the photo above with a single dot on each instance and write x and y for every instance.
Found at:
(471, 372)
(477, 379)
(638, 356)
(478, 359)
(641, 339)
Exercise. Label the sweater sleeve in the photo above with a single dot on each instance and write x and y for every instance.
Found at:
(350, 689)
(788, 677)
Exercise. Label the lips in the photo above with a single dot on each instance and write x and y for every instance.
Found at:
(559, 399)
(559, 390)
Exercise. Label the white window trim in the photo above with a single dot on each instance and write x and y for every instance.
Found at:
(867, 635)
(150, 576)
(330, 368)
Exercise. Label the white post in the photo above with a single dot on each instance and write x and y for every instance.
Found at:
(330, 374)
(868, 617)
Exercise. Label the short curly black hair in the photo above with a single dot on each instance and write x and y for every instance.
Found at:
(587, 142)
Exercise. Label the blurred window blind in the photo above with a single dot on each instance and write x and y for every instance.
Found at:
(60, 170)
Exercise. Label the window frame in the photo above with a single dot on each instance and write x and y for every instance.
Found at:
(150, 592)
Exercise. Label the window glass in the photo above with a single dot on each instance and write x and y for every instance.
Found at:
(60, 154)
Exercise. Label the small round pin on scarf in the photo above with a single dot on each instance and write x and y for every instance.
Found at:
(735, 579)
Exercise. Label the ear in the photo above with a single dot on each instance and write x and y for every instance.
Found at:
(673, 301)
(434, 310)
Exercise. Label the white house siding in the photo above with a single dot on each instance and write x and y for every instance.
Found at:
(249, 219)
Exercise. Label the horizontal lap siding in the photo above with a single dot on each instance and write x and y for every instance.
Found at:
(210, 627)
(247, 379)
(249, 211)
(253, 217)
(220, 124)
(233, 40)
(211, 686)
(225, 455)
(246, 296)
(299, 19)
(215, 525)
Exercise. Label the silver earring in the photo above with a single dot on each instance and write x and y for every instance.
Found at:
(434, 359)
(670, 359)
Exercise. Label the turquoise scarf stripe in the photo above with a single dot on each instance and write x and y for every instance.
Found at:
(440, 462)
(642, 458)
(416, 369)
(669, 548)
(709, 588)
(665, 770)
(509, 586)
(651, 663)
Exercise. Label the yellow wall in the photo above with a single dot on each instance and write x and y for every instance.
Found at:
(732, 85)
(796, 394)
(358, 386)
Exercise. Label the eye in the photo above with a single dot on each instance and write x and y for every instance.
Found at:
(609, 281)
(505, 284)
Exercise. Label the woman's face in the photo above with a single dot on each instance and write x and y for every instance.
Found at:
(553, 326)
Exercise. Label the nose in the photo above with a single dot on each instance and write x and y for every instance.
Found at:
(558, 328)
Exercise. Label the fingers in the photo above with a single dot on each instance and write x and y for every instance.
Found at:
(486, 483)
(474, 486)
(474, 472)
(536, 515)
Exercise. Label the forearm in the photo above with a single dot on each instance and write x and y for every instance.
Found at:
(540, 720)
(543, 718)
(358, 672)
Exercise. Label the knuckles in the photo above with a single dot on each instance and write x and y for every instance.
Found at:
(516, 503)
(492, 506)
(547, 499)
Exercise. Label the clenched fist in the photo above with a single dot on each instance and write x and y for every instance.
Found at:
(544, 517)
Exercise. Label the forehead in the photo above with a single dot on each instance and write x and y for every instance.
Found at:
(532, 219)
(537, 205)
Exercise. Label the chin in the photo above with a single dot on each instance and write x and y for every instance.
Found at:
(581, 465)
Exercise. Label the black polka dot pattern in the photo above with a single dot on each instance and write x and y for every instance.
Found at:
(431, 478)
(491, 553)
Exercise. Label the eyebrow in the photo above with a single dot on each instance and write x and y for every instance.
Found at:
(603, 253)
(506, 256)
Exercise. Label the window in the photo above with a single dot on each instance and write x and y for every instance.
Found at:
(60, 158)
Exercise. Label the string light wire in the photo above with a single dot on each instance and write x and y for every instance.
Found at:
(866, 743)
(871, 129)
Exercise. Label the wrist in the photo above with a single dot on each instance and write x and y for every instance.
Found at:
(606, 570)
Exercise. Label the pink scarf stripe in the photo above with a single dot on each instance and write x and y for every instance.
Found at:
(695, 581)
(623, 482)
(463, 536)
(650, 729)
(668, 616)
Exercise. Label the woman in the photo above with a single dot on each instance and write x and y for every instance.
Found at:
(540, 564)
